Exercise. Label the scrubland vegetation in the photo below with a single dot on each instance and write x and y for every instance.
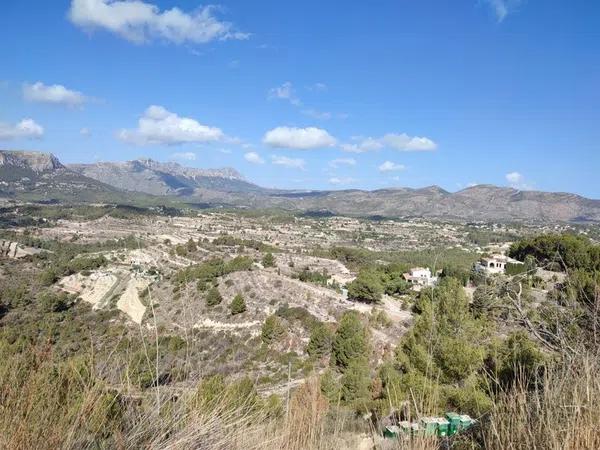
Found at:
(517, 352)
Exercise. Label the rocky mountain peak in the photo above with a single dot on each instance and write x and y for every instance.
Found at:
(35, 161)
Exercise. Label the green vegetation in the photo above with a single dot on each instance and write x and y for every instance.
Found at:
(308, 276)
(237, 305)
(272, 330)
(321, 339)
(268, 260)
(560, 251)
(208, 271)
(232, 241)
(351, 341)
(213, 297)
(366, 287)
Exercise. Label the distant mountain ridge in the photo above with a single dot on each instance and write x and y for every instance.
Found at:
(158, 178)
(31, 175)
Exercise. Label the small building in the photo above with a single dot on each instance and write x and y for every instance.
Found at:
(494, 264)
(420, 277)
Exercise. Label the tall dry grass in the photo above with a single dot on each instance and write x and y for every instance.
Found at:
(49, 404)
(562, 412)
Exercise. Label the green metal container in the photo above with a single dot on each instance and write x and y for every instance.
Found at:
(454, 422)
(443, 427)
(429, 426)
(391, 432)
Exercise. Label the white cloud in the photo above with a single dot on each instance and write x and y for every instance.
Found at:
(254, 158)
(85, 132)
(315, 114)
(401, 142)
(390, 166)
(291, 163)
(25, 129)
(298, 138)
(341, 181)
(55, 94)
(158, 126)
(365, 145)
(342, 162)
(404, 142)
(517, 181)
(318, 87)
(225, 151)
(139, 22)
(186, 156)
(503, 8)
(285, 92)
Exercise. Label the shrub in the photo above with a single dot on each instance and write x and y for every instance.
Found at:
(238, 305)
(366, 288)
(272, 330)
(320, 341)
(356, 381)
(268, 260)
(213, 297)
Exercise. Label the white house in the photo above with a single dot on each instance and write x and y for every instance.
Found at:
(420, 277)
(494, 264)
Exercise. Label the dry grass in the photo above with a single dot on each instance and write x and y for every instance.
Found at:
(562, 413)
(45, 404)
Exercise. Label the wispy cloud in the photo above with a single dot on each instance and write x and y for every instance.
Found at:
(254, 158)
(335, 163)
(401, 142)
(390, 166)
(502, 8)
(516, 180)
(338, 181)
(25, 129)
(141, 22)
(185, 156)
(55, 94)
(290, 163)
(285, 92)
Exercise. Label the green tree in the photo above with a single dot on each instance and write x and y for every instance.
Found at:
(272, 330)
(213, 297)
(238, 305)
(268, 260)
(320, 341)
(366, 287)
(330, 387)
(356, 381)
(351, 341)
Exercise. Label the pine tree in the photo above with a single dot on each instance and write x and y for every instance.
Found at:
(238, 305)
(272, 330)
(351, 341)
(268, 260)
(213, 297)
(319, 344)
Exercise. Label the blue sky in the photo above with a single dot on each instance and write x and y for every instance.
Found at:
(313, 94)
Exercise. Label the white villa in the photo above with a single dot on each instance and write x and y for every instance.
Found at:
(494, 264)
(420, 277)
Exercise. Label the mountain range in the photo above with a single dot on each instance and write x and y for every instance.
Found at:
(41, 176)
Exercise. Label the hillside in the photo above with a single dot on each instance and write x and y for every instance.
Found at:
(156, 178)
(35, 175)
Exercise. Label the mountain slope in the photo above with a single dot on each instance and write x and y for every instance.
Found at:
(156, 178)
(38, 176)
